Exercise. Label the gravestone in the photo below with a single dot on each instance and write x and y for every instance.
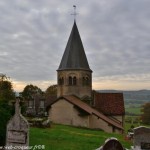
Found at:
(141, 139)
(17, 134)
(111, 144)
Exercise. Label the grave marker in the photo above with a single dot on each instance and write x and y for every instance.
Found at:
(111, 144)
(17, 133)
(141, 138)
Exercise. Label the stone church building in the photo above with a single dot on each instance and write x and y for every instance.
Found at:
(76, 103)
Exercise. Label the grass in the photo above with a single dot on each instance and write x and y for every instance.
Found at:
(61, 137)
(134, 110)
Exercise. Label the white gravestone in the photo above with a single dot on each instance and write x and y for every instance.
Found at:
(17, 134)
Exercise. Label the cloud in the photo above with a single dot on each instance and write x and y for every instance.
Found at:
(115, 35)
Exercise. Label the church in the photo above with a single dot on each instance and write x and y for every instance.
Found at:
(76, 103)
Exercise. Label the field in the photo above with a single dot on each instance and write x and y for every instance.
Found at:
(133, 109)
(61, 137)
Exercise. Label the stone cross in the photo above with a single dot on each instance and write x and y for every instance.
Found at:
(17, 134)
(74, 14)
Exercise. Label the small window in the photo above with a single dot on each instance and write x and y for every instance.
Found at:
(85, 81)
(70, 80)
(74, 80)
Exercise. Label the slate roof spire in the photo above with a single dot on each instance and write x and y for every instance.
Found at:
(74, 56)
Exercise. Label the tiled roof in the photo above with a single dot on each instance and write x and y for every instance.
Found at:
(77, 102)
(109, 103)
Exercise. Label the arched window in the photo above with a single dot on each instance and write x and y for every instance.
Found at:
(70, 80)
(85, 81)
(74, 80)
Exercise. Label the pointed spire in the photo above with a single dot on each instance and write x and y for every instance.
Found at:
(74, 56)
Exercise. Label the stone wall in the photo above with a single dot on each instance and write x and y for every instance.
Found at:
(97, 123)
(79, 89)
(63, 112)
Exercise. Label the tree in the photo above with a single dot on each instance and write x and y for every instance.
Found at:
(30, 91)
(6, 110)
(6, 89)
(3, 77)
(146, 113)
(51, 91)
(5, 114)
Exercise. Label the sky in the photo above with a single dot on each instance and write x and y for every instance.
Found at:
(115, 35)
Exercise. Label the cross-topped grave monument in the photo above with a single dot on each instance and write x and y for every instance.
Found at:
(17, 129)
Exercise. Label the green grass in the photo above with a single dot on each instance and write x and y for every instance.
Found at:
(61, 137)
(134, 110)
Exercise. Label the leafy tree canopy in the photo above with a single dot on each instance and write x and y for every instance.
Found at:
(51, 91)
(30, 91)
(6, 88)
(6, 110)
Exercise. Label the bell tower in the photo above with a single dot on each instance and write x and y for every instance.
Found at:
(74, 76)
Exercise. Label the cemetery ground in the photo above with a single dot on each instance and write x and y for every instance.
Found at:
(66, 137)
(71, 138)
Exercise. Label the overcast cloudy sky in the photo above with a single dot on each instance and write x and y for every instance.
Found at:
(115, 35)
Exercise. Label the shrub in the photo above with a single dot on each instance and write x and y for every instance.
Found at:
(5, 115)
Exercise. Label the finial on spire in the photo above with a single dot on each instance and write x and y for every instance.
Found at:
(74, 12)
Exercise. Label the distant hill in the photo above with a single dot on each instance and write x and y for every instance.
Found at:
(141, 95)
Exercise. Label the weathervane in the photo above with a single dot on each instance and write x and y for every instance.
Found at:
(74, 12)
